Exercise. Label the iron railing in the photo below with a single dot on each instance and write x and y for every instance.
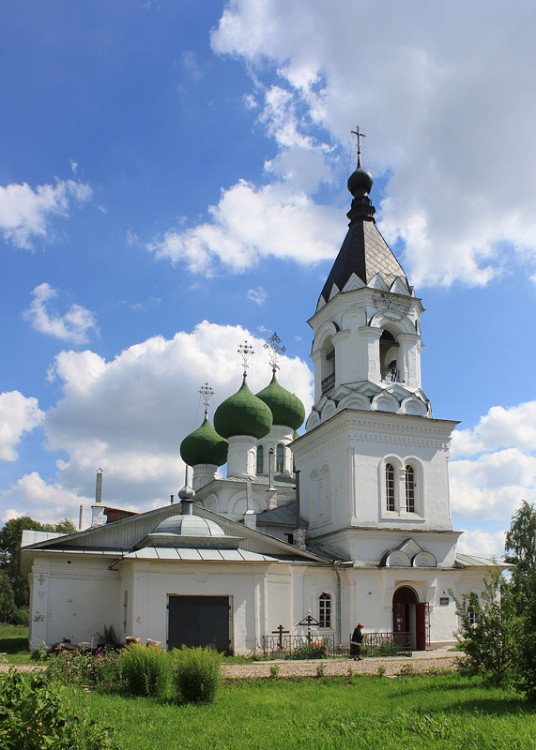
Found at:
(315, 646)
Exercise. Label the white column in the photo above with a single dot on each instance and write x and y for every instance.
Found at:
(372, 338)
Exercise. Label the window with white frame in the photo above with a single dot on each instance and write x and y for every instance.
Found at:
(410, 489)
(280, 458)
(390, 494)
(324, 610)
(260, 459)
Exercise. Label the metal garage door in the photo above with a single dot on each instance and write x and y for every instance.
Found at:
(199, 621)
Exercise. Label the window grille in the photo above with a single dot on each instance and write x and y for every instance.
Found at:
(260, 459)
(410, 489)
(280, 458)
(390, 487)
(324, 610)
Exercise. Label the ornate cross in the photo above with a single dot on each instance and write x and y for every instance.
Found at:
(358, 134)
(246, 351)
(206, 392)
(275, 349)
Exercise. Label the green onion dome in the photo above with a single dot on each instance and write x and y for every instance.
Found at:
(286, 408)
(204, 446)
(243, 414)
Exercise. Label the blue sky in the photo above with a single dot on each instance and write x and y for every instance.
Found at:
(172, 181)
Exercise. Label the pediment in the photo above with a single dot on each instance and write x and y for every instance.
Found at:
(399, 286)
(377, 282)
(353, 283)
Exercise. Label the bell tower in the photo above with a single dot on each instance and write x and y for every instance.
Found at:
(373, 457)
(367, 342)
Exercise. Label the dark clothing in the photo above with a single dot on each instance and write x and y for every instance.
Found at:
(355, 642)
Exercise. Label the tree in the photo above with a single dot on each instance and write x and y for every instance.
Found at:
(10, 542)
(486, 631)
(498, 627)
(7, 600)
(520, 550)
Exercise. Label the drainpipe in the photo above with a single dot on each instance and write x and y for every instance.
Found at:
(338, 610)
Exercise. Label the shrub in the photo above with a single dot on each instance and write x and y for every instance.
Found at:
(275, 670)
(146, 670)
(35, 713)
(196, 674)
(309, 651)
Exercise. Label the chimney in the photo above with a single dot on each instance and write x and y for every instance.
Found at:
(97, 510)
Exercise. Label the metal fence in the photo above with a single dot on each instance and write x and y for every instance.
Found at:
(316, 646)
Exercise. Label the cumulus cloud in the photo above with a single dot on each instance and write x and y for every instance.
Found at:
(129, 415)
(26, 212)
(433, 94)
(32, 496)
(249, 223)
(493, 465)
(18, 415)
(482, 543)
(74, 325)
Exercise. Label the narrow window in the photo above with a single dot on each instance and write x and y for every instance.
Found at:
(390, 487)
(260, 459)
(324, 610)
(410, 489)
(280, 458)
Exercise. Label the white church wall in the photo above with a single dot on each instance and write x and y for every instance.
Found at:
(245, 585)
(73, 598)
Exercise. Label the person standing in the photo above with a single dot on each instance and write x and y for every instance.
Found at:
(356, 641)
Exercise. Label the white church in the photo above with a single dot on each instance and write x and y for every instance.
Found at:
(348, 521)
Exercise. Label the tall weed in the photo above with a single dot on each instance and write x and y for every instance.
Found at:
(196, 674)
(146, 670)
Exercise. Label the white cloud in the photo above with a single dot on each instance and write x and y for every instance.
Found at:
(74, 325)
(25, 213)
(258, 295)
(249, 223)
(32, 496)
(493, 465)
(18, 415)
(439, 94)
(128, 416)
(482, 544)
(500, 427)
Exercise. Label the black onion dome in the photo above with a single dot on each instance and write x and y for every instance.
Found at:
(360, 182)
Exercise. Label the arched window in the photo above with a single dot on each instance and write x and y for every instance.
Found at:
(388, 357)
(260, 459)
(324, 610)
(280, 458)
(390, 487)
(410, 489)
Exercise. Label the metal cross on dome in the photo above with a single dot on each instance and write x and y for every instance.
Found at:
(275, 349)
(206, 392)
(246, 351)
(358, 134)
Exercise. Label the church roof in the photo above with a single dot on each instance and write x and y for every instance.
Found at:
(285, 515)
(364, 251)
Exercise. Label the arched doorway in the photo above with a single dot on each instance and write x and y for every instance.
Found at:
(409, 619)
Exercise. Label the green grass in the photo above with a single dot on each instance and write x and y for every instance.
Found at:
(445, 712)
(14, 643)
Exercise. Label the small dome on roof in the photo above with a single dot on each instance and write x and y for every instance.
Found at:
(360, 182)
(187, 526)
(204, 446)
(243, 414)
(287, 409)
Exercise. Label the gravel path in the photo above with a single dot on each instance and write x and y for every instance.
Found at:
(392, 665)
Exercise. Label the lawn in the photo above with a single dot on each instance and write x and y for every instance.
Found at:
(14, 643)
(370, 713)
